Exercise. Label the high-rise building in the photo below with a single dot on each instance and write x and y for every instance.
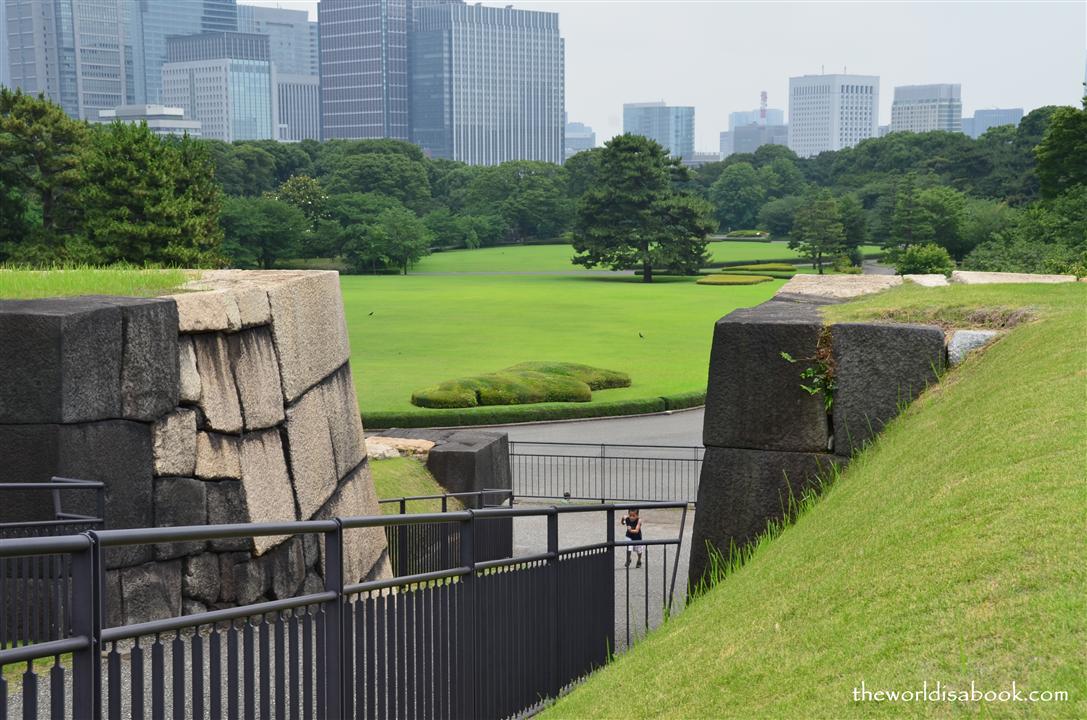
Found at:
(773, 116)
(726, 144)
(150, 22)
(993, 117)
(831, 112)
(292, 37)
(5, 67)
(299, 105)
(749, 138)
(579, 136)
(224, 80)
(924, 108)
(671, 126)
(487, 83)
(71, 51)
(161, 120)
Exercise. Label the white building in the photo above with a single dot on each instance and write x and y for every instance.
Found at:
(831, 112)
(923, 108)
(292, 37)
(160, 119)
(299, 107)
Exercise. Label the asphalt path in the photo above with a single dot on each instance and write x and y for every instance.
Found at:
(680, 428)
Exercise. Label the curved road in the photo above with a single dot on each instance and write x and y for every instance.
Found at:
(683, 427)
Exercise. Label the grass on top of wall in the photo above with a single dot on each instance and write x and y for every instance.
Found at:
(952, 550)
(17, 283)
(407, 477)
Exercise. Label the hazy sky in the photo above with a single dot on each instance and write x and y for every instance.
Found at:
(718, 55)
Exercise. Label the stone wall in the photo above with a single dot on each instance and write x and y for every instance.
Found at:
(231, 402)
(767, 439)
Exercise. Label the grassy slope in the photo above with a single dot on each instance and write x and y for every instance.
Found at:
(425, 330)
(27, 284)
(406, 477)
(952, 550)
(546, 258)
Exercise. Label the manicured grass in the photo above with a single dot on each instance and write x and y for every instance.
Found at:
(730, 279)
(556, 258)
(760, 267)
(407, 477)
(21, 284)
(427, 329)
(951, 550)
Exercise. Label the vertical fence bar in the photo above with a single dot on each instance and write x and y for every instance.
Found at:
(611, 579)
(466, 630)
(555, 684)
(86, 621)
(333, 645)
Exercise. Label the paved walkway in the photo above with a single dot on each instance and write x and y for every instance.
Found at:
(678, 428)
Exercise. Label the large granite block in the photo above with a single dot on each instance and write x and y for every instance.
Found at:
(313, 464)
(309, 329)
(61, 359)
(190, 389)
(226, 505)
(151, 592)
(363, 547)
(201, 579)
(740, 491)
(288, 568)
(344, 420)
(180, 501)
(879, 369)
(174, 442)
(200, 312)
(219, 395)
(149, 369)
(471, 460)
(256, 375)
(754, 398)
(218, 457)
(266, 485)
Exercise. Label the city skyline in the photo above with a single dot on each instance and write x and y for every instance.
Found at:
(1006, 65)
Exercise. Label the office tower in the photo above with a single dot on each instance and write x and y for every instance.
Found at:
(161, 120)
(726, 144)
(749, 138)
(774, 116)
(671, 126)
(967, 127)
(5, 70)
(994, 117)
(224, 80)
(831, 112)
(292, 37)
(299, 104)
(487, 83)
(579, 136)
(923, 108)
(71, 51)
(150, 22)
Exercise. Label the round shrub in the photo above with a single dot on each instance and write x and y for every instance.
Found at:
(780, 275)
(733, 279)
(526, 383)
(923, 260)
(760, 267)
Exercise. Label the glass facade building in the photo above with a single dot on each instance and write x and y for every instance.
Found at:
(487, 84)
(994, 117)
(923, 108)
(72, 51)
(299, 107)
(151, 22)
(291, 35)
(672, 126)
(224, 80)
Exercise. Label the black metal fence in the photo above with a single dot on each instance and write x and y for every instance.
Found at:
(584, 471)
(482, 639)
(430, 547)
(35, 592)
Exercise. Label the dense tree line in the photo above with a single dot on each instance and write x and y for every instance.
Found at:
(1013, 199)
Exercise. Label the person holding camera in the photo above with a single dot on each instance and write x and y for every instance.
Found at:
(634, 532)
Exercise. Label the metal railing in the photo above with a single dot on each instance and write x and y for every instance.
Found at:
(35, 593)
(429, 547)
(602, 472)
(483, 639)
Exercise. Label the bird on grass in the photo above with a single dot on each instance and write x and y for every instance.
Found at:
(641, 336)
(371, 313)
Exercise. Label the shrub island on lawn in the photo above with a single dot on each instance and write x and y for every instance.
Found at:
(524, 383)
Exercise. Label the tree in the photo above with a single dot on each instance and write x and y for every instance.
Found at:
(201, 234)
(780, 178)
(946, 209)
(817, 230)
(737, 196)
(911, 223)
(924, 260)
(529, 196)
(40, 169)
(401, 238)
(306, 194)
(259, 231)
(854, 222)
(581, 170)
(1062, 154)
(633, 216)
(392, 174)
(776, 216)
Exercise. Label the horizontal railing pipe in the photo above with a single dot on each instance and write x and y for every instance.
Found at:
(37, 651)
(136, 536)
(365, 521)
(371, 585)
(503, 562)
(48, 545)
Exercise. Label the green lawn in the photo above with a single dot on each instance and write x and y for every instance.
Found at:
(407, 477)
(19, 284)
(547, 258)
(952, 550)
(427, 329)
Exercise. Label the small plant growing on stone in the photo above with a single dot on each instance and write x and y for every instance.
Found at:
(818, 376)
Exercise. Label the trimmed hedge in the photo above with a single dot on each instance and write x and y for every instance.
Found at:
(759, 267)
(504, 414)
(525, 383)
(722, 279)
(682, 401)
(768, 273)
